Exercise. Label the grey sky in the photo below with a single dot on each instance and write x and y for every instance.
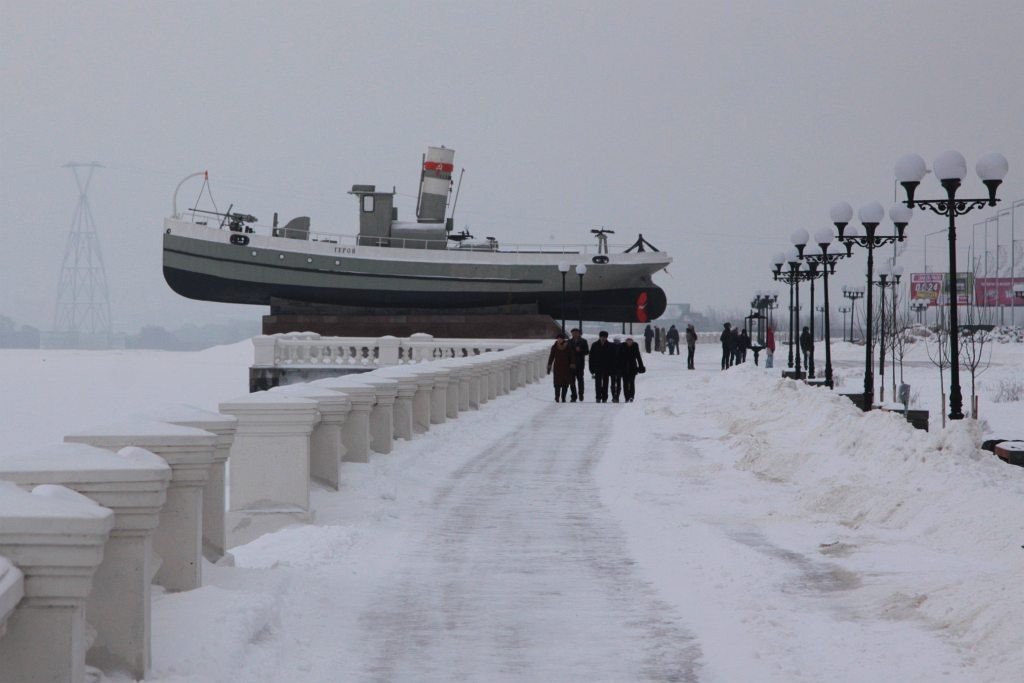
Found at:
(713, 128)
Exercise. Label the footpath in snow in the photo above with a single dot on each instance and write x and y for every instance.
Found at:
(726, 526)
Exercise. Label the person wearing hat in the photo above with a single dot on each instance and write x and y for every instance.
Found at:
(581, 348)
(602, 362)
(728, 346)
(562, 360)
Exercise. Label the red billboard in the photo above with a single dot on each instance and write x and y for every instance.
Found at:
(934, 287)
(997, 291)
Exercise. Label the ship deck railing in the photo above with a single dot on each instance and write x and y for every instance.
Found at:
(418, 243)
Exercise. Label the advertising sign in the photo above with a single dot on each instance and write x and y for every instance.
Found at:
(934, 287)
(997, 291)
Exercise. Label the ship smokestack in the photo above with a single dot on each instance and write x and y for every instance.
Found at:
(435, 184)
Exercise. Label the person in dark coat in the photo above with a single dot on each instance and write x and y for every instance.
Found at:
(806, 345)
(602, 358)
(561, 366)
(616, 373)
(580, 349)
(673, 340)
(744, 345)
(728, 346)
(629, 364)
(648, 338)
(691, 345)
(735, 346)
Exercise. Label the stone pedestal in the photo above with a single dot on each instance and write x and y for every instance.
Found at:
(382, 415)
(326, 445)
(463, 372)
(422, 399)
(215, 491)
(133, 484)
(473, 374)
(439, 396)
(451, 399)
(269, 464)
(402, 411)
(356, 432)
(178, 539)
(493, 383)
(55, 537)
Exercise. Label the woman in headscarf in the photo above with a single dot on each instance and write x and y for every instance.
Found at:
(562, 366)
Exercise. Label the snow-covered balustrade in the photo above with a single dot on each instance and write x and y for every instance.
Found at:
(215, 490)
(269, 464)
(382, 414)
(439, 395)
(12, 589)
(178, 539)
(326, 446)
(310, 349)
(133, 484)
(424, 378)
(402, 411)
(355, 433)
(458, 401)
(55, 537)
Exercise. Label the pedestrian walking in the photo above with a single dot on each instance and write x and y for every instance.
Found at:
(736, 346)
(648, 338)
(561, 367)
(602, 357)
(630, 364)
(769, 344)
(673, 340)
(580, 349)
(616, 370)
(744, 345)
(806, 346)
(691, 345)
(727, 346)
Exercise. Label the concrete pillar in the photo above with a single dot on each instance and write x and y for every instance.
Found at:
(464, 373)
(326, 445)
(493, 370)
(133, 484)
(439, 396)
(55, 537)
(387, 350)
(178, 539)
(269, 464)
(12, 590)
(471, 385)
(215, 491)
(355, 434)
(477, 383)
(422, 399)
(402, 411)
(382, 415)
(451, 399)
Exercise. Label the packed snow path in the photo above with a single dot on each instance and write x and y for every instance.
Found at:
(520, 572)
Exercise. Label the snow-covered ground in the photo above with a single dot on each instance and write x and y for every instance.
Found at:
(725, 527)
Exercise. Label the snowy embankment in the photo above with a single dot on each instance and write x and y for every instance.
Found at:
(791, 537)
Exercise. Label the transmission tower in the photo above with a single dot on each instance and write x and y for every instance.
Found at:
(83, 302)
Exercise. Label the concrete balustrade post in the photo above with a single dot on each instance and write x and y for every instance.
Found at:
(55, 537)
(439, 396)
(464, 373)
(133, 484)
(479, 383)
(269, 464)
(326, 442)
(493, 381)
(382, 414)
(355, 434)
(387, 350)
(264, 353)
(178, 539)
(215, 491)
(402, 411)
(452, 398)
(422, 399)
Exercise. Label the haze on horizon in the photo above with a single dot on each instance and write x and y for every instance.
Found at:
(715, 129)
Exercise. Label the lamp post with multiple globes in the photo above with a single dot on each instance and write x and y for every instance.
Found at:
(853, 294)
(581, 270)
(827, 262)
(951, 168)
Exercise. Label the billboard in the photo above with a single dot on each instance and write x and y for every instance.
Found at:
(934, 287)
(997, 291)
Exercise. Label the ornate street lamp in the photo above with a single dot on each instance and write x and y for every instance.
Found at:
(888, 279)
(853, 293)
(844, 310)
(919, 307)
(870, 216)
(951, 168)
(563, 268)
(827, 261)
(791, 277)
(581, 270)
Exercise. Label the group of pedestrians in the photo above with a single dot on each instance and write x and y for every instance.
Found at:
(735, 344)
(671, 341)
(614, 366)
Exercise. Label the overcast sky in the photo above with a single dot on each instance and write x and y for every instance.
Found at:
(714, 128)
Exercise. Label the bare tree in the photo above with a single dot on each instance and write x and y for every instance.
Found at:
(937, 346)
(976, 344)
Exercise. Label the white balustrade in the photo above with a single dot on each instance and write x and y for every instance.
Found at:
(402, 414)
(214, 493)
(133, 484)
(382, 415)
(178, 539)
(269, 464)
(355, 433)
(326, 445)
(55, 537)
